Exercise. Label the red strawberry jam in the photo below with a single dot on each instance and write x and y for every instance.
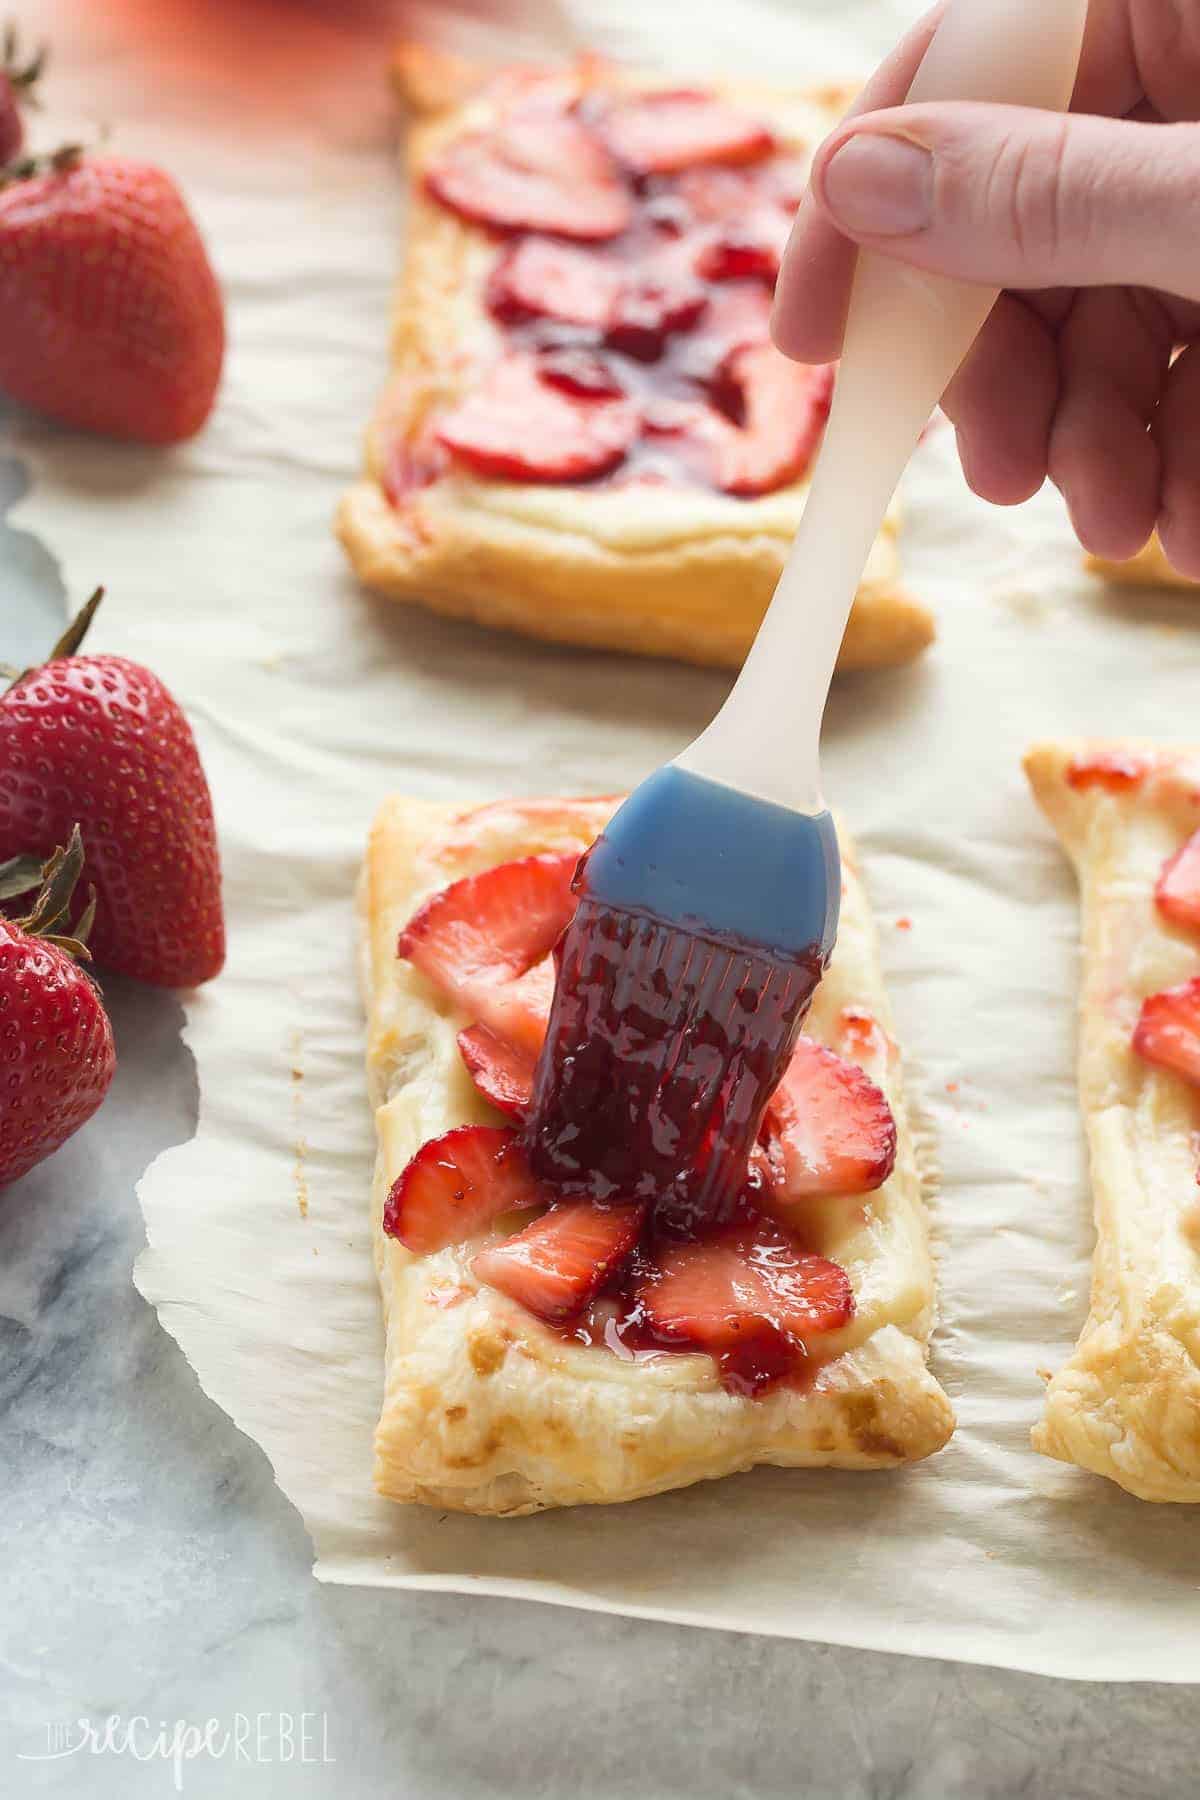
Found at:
(641, 242)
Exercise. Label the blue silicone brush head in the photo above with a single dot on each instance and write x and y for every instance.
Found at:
(705, 921)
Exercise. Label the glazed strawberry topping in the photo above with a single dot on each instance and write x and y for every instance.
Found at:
(537, 169)
(1177, 894)
(749, 1297)
(485, 942)
(662, 134)
(649, 316)
(1115, 770)
(779, 409)
(751, 248)
(502, 1073)
(536, 279)
(557, 1264)
(829, 1129)
(457, 1185)
(523, 426)
(631, 1274)
(1168, 1030)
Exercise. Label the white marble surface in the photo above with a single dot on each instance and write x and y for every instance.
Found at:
(151, 1567)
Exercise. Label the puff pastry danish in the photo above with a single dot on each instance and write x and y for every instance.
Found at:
(489, 1410)
(587, 436)
(1149, 568)
(1127, 1403)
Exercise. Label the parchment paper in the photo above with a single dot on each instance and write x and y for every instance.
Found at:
(311, 701)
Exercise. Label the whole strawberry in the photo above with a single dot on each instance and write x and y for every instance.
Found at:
(58, 1057)
(17, 82)
(112, 317)
(100, 740)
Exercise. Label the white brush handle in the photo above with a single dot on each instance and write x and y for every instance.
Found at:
(906, 334)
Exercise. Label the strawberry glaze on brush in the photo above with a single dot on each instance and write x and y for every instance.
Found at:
(682, 986)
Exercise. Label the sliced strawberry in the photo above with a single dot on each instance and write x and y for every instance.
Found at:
(785, 408)
(786, 404)
(485, 942)
(749, 1297)
(737, 316)
(456, 1185)
(861, 1034)
(581, 372)
(715, 194)
(1168, 1030)
(538, 169)
(644, 313)
(521, 428)
(829, 1129)
(519, 1010)
(502, 1073)
(660, 134)
(1177, 894)
(749, 248)
(493, 925)
(1115, 770)
(560, 1262)
(540, 280)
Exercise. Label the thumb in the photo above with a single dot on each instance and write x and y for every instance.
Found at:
(1016, 198)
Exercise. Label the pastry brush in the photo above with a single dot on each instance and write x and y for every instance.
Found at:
(708, 908)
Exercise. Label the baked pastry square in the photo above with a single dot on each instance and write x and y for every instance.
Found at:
(488, 1410)
(1127, 1402)
(1149, 568)
(587, 436)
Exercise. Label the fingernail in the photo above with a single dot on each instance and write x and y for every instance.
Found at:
(879, 186)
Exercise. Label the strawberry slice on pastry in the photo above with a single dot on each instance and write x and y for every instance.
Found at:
(746, 249)
(539, 279)
(748, 1297)
(485, 942)
(538, 169)
(1168, 1030)
(502, 1073)
(457, 1185)
(524, 425)
(828, 1130)
(785, 406)
(660, 134)
(1177, 893)
(560, 1262)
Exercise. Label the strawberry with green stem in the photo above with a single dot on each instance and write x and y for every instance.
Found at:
(113, 319)
(56, 1045)
(100, 740)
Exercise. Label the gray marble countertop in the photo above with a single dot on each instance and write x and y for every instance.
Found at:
(153, 1569)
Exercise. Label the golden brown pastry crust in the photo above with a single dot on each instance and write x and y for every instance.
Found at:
(660, 571)
(486, 1410)
(1127, 1402)
(1149, 568)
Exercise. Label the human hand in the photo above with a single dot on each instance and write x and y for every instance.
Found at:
(1089, 222)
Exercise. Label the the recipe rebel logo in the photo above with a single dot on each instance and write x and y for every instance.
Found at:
(253, 1739)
